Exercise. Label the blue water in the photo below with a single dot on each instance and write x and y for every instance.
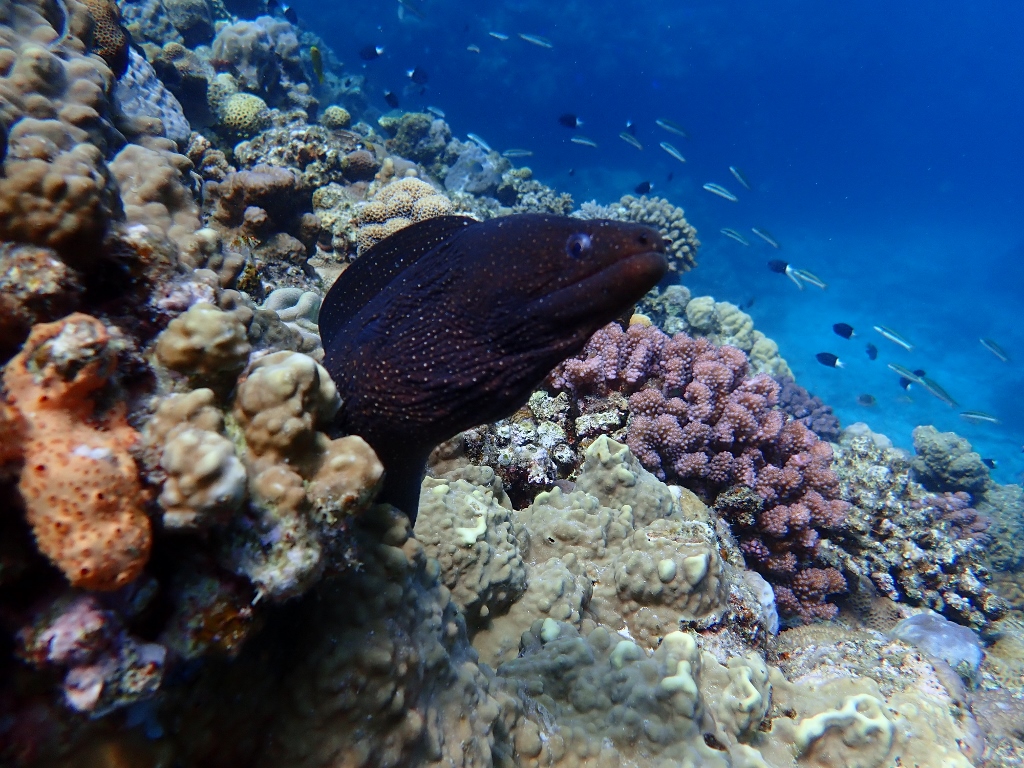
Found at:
(884, 146)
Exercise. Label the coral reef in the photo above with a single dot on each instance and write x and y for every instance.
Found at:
(688, 412)
(263, 57)
(809, 410)
(674, 311)
(141, 97)
(419, 137)
(945, 462)
(907, 544)
(621, 549)
(192, 570)
(320, 155)
(105, 667)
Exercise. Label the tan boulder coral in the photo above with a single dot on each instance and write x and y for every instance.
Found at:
(153, 192)
(346, 480)
(80, 484)
(668, 572)
(335, 117)
(612, 702)
(279, 403)
(470, 533)
(622, 549)
(206, 482)
(557, 591)
(247, 458)
(205, 342)
(56, 190)
(724, 323)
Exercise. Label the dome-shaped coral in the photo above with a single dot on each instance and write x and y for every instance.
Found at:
(398, 205)
(335, 117)
(244, 114)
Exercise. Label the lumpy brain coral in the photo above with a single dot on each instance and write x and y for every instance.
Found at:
(396, 206)
(79, 484)
(244, 114)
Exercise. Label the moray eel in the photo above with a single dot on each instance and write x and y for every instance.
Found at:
(450, 323)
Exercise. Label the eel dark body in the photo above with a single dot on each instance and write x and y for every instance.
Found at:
(450, 323)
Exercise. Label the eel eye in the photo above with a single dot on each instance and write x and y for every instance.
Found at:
(578, 245)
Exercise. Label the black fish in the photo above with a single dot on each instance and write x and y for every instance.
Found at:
(827, 358)
(843, 329)
(451, 322)
(866, 400)
(569, 120)
(418, 75)
(747, 304)
(643, 187)
(990, 463)
(778, 265)
(671, 175)
(872, 351)
(391, 99)
(273, 6)
(905, 382)
(370, 52)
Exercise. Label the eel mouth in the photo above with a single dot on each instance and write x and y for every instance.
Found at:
(604, 295)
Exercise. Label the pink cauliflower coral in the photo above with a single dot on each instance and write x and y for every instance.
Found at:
(695, 418)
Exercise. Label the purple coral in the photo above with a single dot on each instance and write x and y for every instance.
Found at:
(695, 418)
(955, 509)
(808, 409)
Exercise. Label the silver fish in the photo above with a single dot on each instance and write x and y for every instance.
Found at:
(735, 236)
(436, 111)
(810, 277)
(764, 235)
(543, 42)
(513, 153)
(979, 417)
(718, 189)
(906, 373)
(672, 151)
(583, 141)
(739, 176)
(630, 139)
(938, 391)
(473, 48)
(480, 142)
(671, 127)
(498, 35)
(995, 349)
(894, 337)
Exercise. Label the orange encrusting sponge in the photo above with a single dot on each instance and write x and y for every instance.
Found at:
(79, 483)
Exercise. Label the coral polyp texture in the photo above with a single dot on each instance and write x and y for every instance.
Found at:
(396, 206)
(79, 483)
(691, 414)
(908, 544)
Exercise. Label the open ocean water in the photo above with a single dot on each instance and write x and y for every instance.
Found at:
(883, 145)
